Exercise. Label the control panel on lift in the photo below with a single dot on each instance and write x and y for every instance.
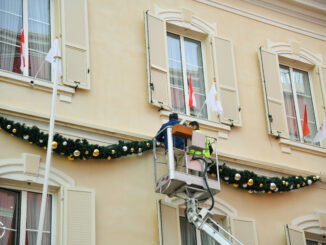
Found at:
(182, 171)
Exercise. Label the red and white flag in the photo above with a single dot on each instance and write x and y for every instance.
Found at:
(305, 127)
(22, 52)
(192, 99)
(321, 134)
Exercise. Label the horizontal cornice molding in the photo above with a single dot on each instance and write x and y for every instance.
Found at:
(263, 19)
(293, 10)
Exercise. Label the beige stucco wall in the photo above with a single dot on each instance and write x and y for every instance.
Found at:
(118, 99)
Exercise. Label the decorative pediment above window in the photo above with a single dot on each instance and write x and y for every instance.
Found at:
(186, 19)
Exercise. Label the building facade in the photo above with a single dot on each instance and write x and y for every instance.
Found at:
(126, 66)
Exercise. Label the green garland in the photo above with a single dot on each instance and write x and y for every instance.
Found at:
(74, 149)
(81, 149)
(253, 183)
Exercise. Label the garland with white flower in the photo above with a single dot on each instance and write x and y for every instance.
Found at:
(82, 150)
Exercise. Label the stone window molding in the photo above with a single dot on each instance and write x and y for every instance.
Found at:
(311, 223)
(27, 170)
(185, 18)
(293, 50)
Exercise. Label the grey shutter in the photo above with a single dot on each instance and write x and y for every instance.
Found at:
(75, 46)
(157, 67)
(273, 93)
(227, 81)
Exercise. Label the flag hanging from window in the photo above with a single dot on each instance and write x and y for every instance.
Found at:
(22, 52)
(54, 52)
(321, 134)
(305, 127)
(192, 99)
(213, 101)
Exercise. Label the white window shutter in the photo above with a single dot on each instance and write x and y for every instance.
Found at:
(244, 230)
(273, 93)
(169, 223)
(78, 216)
(322, 74)
(294, 236)
(157, 67)
(225, 71)
(75, 46)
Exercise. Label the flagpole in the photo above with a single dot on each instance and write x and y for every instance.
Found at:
(48, 153)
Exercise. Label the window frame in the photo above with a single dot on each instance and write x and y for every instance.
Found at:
(23, 210)
(295, 100)
(17, 76)
(216, 217)
(200, 37)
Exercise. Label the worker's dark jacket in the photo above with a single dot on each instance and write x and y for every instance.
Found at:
(162, 137)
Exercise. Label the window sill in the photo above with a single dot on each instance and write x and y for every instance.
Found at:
(65, 92)
(289, 145)
(223, 130)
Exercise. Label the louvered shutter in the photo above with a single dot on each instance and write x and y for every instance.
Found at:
(157, 67)
(169, 224)
(294, 236)
(322, 74)
(273, 93)
(227, 81)
(78, 216)
(244, 230)
(75, 46)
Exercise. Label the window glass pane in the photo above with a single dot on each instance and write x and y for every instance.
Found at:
(39, 37)
(188, 232)
(11, 22)
(289, 103)
(176, 76)
(311, 242)
(304, 97)
(9, 222)
(194, 65)
(33, 214)
(207, 240)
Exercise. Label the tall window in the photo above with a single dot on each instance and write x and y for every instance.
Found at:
(185, 58)
(297, 95)
(190, 235)
(19, 217)
(32, 16)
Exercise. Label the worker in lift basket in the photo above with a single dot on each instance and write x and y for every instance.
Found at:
(178, 142)
(209, 149)
(207, 152)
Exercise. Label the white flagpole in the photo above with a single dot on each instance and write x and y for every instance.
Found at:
(48, 153)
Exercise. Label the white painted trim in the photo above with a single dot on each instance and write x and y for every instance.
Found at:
(54, 218)
(33, 83)
(23, 215)
(285, 49)
(205, 124)
(14, 169)
(309, 223)
(221, 207)
(291, 10)
(263, 19)
(298, 146)
(176, 17)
